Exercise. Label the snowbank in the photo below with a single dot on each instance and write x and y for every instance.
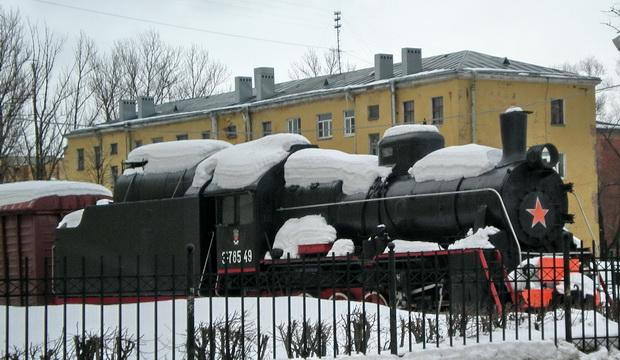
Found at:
(479, 240)
(454, 162)
(357, 172)
(311, 229)
(342, 247)
(403, 246)
(409, 128)
(243, 164)
(18, 192)
(173, 156)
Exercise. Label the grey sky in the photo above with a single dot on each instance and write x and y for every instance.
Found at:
(540, 32)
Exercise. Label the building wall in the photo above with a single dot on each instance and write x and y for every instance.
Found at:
(576, 139)
(608, 163)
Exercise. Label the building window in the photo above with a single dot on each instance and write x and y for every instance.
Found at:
(373, 112)
(560, 167)
(324, 126)
(137, 144)
(182, 137)
(294, 126)
(114, 171)
(266, 128)
(373, 144)
(408, 112)
(349, 123)
(98, 159)
(158, 139)
(557, 112)
(113, 149)
(206, 134)
(437, 103)
(80, 159)
(231, 131)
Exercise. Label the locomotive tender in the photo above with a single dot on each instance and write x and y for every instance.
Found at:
(233, 227)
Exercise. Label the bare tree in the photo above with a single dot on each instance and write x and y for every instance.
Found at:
(14, 89)
(77, 107)
(106, 83)
(200, 76)
(43, 139)
(313, 64)
(592, 67)
(150, 66)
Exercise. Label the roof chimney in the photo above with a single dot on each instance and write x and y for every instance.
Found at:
(243, 88)
(384, 66)
(146, 106)
(264, 80)
(126, 110)
(411, 60)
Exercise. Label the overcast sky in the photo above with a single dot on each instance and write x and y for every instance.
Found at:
(540, 32)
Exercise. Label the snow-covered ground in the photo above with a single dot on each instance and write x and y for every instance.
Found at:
(535, 335)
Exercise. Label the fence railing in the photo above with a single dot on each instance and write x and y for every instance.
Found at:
(321, 306)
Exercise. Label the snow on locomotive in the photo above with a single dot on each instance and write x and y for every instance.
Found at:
(247, 207)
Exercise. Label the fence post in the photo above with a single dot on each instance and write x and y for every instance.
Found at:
(568, 237)
(190, 302)
(392, 274)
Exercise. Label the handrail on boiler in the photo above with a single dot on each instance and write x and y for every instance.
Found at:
(499, 197)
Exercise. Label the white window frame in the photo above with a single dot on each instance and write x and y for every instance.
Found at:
(294, 125)
(267, 124)
(349, 123)
(560, 167)
(324, 126)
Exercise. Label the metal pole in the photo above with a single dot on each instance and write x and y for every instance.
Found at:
(190, 302)
(392, 271)
(567, 293)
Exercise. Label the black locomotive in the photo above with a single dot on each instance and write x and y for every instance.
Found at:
(155, 217)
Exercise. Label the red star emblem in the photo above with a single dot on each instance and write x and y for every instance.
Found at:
(538, 212)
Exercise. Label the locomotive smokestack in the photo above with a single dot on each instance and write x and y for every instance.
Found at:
(513, 124)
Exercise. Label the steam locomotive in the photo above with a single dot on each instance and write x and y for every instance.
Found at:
(232, 228)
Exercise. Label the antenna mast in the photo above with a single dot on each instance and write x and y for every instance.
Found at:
(337, 26)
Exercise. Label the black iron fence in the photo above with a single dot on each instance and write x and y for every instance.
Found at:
(319, 306)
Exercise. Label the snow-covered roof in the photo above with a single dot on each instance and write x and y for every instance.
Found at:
(357, 172)
(454, 162)
(243, 164)
(409, 128)
(174, 156)
(19, 192)
(432, 67)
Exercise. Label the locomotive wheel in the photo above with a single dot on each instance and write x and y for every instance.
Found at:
(375, 298)
(338, 295)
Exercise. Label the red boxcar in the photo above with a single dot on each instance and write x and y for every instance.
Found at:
(27, 232)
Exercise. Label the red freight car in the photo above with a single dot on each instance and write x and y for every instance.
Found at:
(29, 214)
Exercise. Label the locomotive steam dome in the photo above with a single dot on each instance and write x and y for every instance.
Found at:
(404, 145)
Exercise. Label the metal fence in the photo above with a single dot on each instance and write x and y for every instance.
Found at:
(319, 306)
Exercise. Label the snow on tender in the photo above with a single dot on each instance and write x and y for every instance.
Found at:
(174, 156)
(342, 247)
(74, 218)
(454, 162)
(357, 172)
(477, 240)
(409, 128)
(310, 229)
(19, 192)
(241, 165)
(403, 246)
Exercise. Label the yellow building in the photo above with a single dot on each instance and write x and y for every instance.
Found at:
(462, 93)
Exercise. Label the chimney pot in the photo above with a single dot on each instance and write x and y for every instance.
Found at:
(265, 84)
(411, 60)
(243, 88)
(384, 66)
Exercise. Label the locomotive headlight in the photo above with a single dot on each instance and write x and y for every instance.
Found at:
(543, 156)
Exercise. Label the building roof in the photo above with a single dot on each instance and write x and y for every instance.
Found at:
(433, 66)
